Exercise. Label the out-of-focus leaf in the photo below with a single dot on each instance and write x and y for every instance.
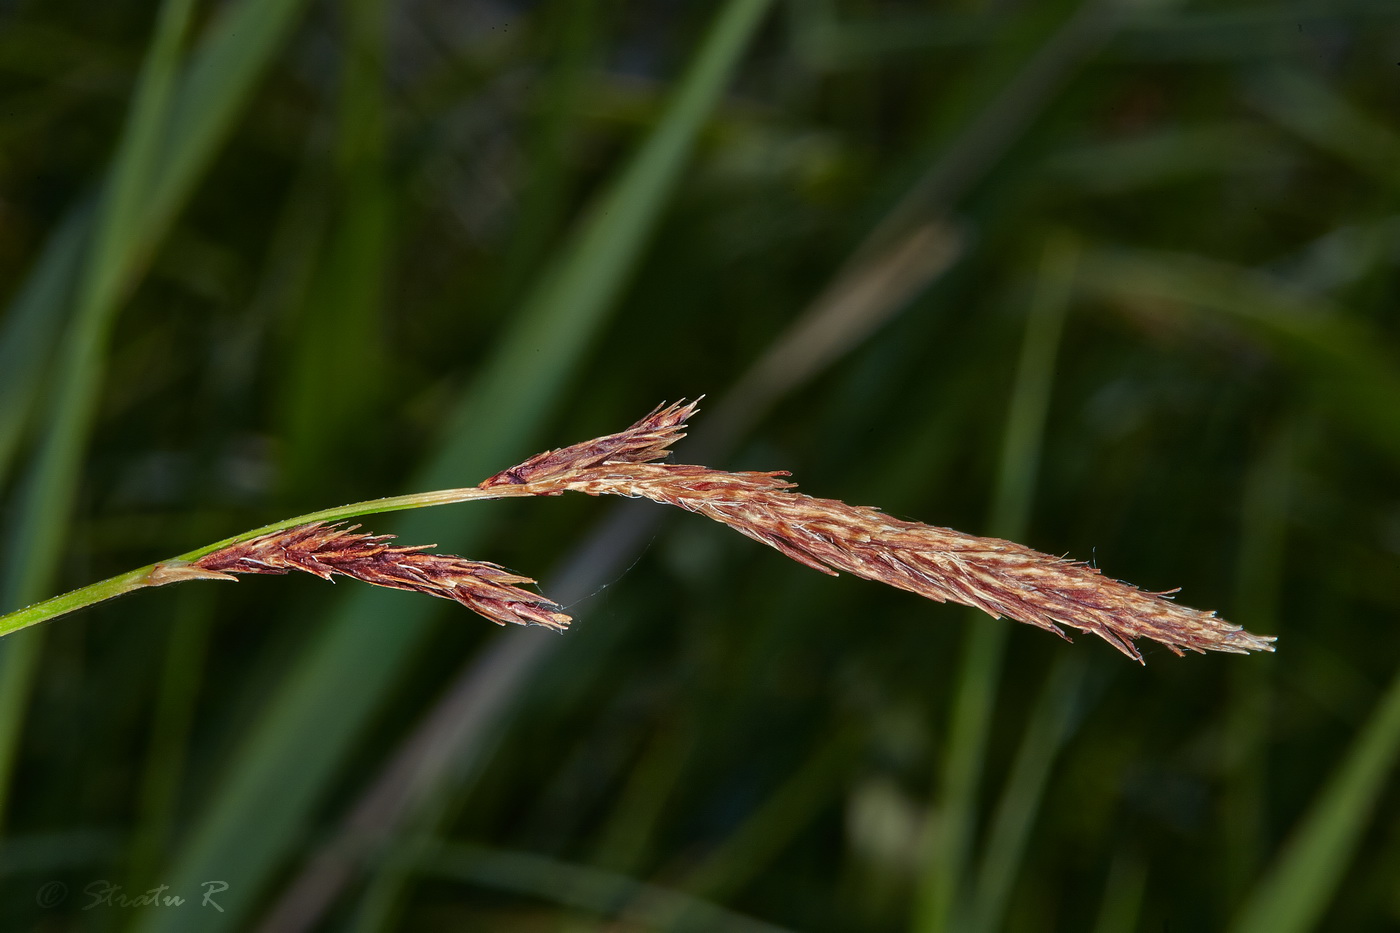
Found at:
(1298, 887)
(1348, 365)
(942, 893)
(37, 533)
(313, 717)
(174, 129)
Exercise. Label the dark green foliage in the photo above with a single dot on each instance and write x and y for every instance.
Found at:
(1117, 280)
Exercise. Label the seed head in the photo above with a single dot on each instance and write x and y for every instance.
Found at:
(327, 550)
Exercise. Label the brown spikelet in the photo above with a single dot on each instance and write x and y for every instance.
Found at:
(999, 577)
(647, 440)
(330, 549)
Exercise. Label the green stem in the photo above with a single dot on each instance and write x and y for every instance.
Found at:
(169, 571)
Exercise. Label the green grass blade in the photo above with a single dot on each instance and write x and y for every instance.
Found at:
(339, 329)
(1045, 734)
(213, 91)
(577, 34)
(150, 179)
(1352, 371)
(1259, 593)
(1122, 896)
(172, 720)
(311, 719)
(1295, 892)
(979, 673)
(633, 824)
(47, 501)
(557, 324)
(205, 102)
(30, 329)
(1331, 122)
(585, 888)
(754, 845)
(36, 538)
(994, 106)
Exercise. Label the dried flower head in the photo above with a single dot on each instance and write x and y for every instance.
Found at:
(999, 577)
(327, 550)
(647, 440)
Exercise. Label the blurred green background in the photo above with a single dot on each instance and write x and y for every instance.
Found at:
(1116, 279)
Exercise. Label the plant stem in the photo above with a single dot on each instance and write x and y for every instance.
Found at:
(173, 570)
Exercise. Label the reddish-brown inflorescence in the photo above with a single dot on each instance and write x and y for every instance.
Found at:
(999, 577)
(328, 550)
(647, 440)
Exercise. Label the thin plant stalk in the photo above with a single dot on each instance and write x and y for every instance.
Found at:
(175, 569)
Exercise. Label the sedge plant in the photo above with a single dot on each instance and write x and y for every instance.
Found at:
(999, 577)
